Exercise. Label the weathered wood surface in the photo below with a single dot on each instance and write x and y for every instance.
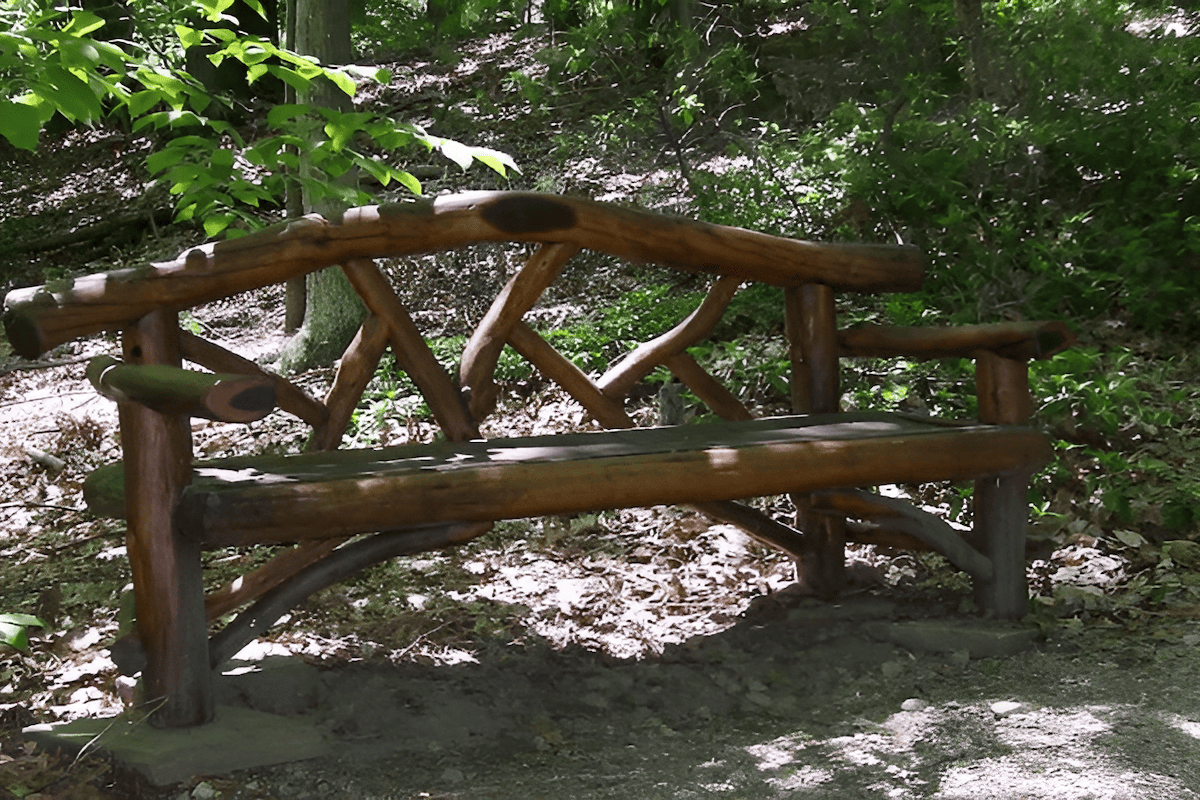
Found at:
(288, 396)
(40, 318)
(606, 410)
(412, 353)
(251, 586)
(171, 390)
(354, 372)
(1001, 516)
(710, 391)
(339, 565)
(482, 351)
(277, 499)
(793, 324)
(1002, 389)
(757, 524)
(617, 382)
(900, 515)
(167, 583)
(817, 330)
(1015, 340)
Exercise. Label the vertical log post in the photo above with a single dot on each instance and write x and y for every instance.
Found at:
(793, 320)
(819, 347)
(167, 584)
(811, 322)
(1001, 509)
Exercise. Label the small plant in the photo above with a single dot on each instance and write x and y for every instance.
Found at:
(13, 630)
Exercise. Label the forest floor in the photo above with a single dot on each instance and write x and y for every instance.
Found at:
(637, 654)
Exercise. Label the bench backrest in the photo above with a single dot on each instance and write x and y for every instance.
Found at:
(40, 318)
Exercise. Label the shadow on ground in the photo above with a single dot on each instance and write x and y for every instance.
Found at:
(798, 700)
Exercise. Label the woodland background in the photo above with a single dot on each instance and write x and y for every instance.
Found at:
(1043, 153)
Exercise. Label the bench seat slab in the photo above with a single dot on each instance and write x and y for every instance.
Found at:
(275, 499)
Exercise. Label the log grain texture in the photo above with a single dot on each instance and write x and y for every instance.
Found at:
(320, 495)
(171, 390)
(40, 318)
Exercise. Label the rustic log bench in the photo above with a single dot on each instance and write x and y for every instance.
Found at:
(348, 509)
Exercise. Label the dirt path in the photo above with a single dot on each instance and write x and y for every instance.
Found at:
(797, 700)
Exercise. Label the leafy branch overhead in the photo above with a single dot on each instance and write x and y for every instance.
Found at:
(51, 62)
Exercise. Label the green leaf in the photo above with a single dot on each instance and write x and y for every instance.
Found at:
(498, 161)
(141, 102)
(215, 223)
(12, 629)
(189, 37)
(222, 158)
(74, 98)
(79, 53)
(457, 152)
(342, 81)
(289, 76)
(284, 113)
(184, 119)
(13, 636)
(83, 23)
(164, 159)
(377, 169)
(20, 124)
(258, 7)
(408, 181)
(341, 129)
(200, 142)
(157, 120)
(379, 75)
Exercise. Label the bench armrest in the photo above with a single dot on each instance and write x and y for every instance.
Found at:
(1019, 341)
(170, 390)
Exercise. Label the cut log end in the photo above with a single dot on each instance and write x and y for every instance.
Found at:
(524, 214)
(170, 390)
(24, 335)
(239, 402)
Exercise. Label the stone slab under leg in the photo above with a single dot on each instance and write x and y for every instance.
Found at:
(238, 738)
(980, 638)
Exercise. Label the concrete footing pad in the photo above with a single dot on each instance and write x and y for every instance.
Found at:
(978, 638)
(238, 738)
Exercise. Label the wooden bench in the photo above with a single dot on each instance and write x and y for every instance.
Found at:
(349, 509)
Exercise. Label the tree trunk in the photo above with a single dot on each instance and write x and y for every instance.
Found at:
(980, 75)
(333, 311)
(296, 293)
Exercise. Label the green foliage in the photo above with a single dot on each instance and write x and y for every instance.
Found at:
(50, 63)
(13, 627)
(1125, 423)
(391, 26)
(1067, 188)
(765, 183)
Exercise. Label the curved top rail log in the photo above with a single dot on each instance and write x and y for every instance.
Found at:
(42, 317)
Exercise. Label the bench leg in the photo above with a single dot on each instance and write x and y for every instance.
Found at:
(167, 583)
(821, 568)
(1001, 511)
